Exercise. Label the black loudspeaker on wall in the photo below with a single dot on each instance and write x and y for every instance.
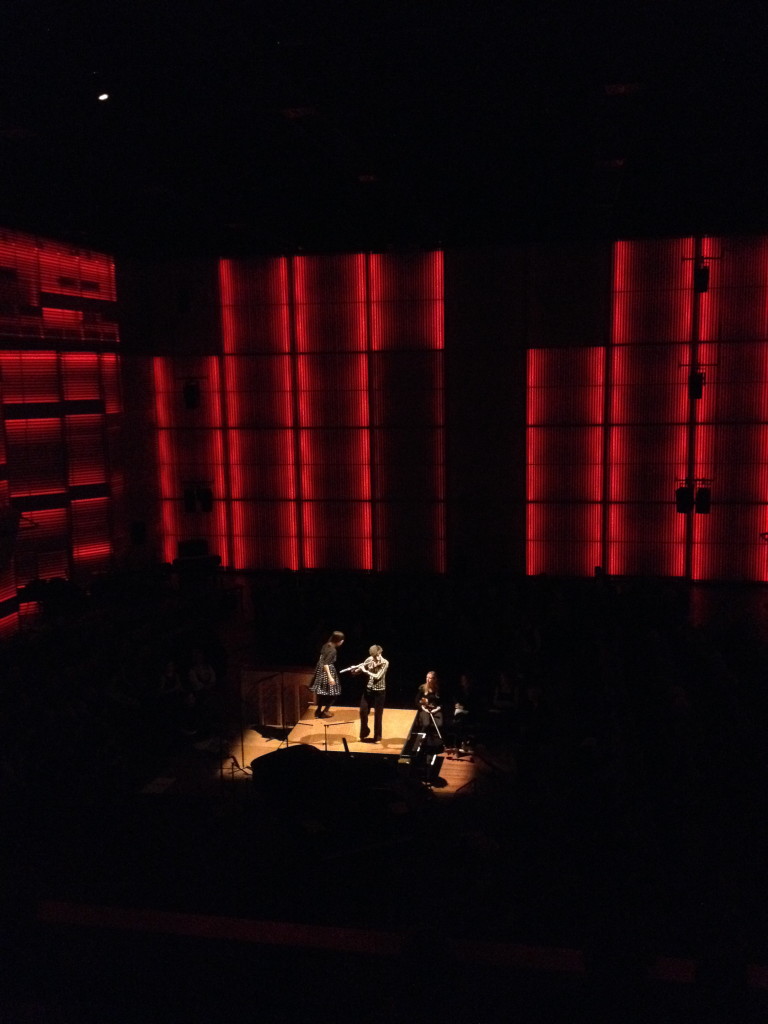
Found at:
(701, 279)
(703, 500)
(688, 501)
(684, 499)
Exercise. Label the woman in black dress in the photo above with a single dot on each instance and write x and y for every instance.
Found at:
(429, 703)
(325, 684)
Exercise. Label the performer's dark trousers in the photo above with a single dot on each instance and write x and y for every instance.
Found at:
(371, 699)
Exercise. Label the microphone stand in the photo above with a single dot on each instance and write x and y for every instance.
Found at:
(327, 726)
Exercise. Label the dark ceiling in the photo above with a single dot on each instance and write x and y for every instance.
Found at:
(236, 127)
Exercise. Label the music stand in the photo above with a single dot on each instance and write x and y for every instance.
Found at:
(431, 758)
(434, 723)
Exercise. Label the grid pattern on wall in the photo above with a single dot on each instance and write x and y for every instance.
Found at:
(679, 397)
(61, 403)
(9, 521)
(318, 431)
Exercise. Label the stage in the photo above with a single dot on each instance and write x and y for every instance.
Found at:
(331, 733)
(220, 759)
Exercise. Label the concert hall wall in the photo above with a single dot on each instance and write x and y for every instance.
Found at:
(559, 409)
(60, 406)
(532, 409)
(314, 437)
(673, 402)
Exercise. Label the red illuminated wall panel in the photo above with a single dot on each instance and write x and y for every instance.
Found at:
(647, 434)
(406, 301)
(61, 404)
(728, 546)
(646, 445)
(51, 290)
(735, 308)
(331, 414)
(91, 544)
(407, 395)
(43, 548)
(30, 377)
(564, 539)
(260, 412)
(191, 454)
(86, 454)
(731, 425)
(732, 452)
(565, 473)
(110, 382)
(652, 291)
(671, 328)
(81, 376)
(9, 608)
(331, 334)
(36, 457)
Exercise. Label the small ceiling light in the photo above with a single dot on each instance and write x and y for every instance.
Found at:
(103, 96)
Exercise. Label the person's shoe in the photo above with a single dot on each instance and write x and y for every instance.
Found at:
(365, 735)
(325, 714)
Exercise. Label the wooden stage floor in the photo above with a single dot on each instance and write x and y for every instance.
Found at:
(330, 733)
(455, 773)
(220, 760)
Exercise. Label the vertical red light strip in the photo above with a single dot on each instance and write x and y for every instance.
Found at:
(651, 307)
(620, 327)
(300, 300)
(533, 416)
(307, 540)
(613, 554)
(231, 399)
(231, 411)
(438, 342)
(218, 462)
(710, 300)
(110, 382)
(620, 334)
(687, 436)
(363, 345)
(9, 622)
(165, 460)
(375, 300)
(291, 551)
(227, 302)
(597, 483)
(375, 344)
(374, 295)
(762, 470)
(332, 409)
(704, 411)
(265, 533)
